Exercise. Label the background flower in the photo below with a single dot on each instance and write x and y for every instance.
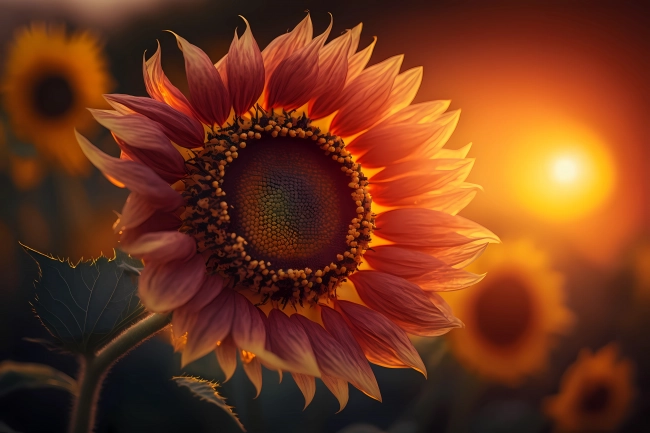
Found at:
(596, 393)
(513, 316)
(50, 78)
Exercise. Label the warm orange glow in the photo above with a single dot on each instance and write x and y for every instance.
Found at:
(563, 175)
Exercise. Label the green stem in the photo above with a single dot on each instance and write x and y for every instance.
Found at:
(95, 366)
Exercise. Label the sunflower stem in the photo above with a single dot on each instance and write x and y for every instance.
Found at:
(93, 369)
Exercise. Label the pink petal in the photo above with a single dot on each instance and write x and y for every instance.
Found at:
(182, 129)
(245, 71)
(158, 221)
(289, 342)
(144, 141)
(253, 370)
(461, 255)
(442, 305)
(185, 315)
(416, 177)
(421, 128)
(427, 230)
(264, 352)
(307, 385)
(222, 69)
(383, 342)
(284, 45)
(293, 82)
(182, 320)
(212, 324)
(453, 153)
(404, 89)
(339, 388)
(450, 200)
(364, 99)
(170, 170)
(137, 209)
(163, 247)
(355, 35)
(160, 88)
(210, 289)
(339, 329)
(446, 124)
(135, 176)
(164, 286)
(428, 272)
(402, 302)
(209, 97)
(248, 329)
(227, 356)
(336, 359)
(358, 61)
(332, 71)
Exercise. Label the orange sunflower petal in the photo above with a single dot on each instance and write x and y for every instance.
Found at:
(160, 88)
(383, 342)
(166, 286)
(403, 302)
(208, 95)
(245, 71)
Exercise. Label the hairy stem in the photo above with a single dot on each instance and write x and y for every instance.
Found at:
(93, 369)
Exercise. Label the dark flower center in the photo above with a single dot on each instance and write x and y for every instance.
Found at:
(595, 398)
(503, 310)
(52, 96)
(290, 202)
(279, 207)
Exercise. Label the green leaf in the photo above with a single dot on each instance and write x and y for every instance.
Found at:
(207, 391)
(85, 305)
(20, 375)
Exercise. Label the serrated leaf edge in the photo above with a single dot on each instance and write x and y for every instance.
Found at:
(218, 400)
(91, 262)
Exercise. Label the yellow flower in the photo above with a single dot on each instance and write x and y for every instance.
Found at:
(49, 80)
(596, 393)
(250, 238)
(511, 316)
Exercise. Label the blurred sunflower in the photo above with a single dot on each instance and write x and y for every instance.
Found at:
(270, 214)
(49, 80)
(596, 393)
(641, 269)
(511, 316)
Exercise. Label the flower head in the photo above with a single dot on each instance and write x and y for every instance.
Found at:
(49, 80)
(596, 393)
(262, 243)
(512, 316)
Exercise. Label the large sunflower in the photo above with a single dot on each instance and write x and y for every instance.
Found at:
(596, 393)
(49, 80)
(270, 214)
(511, 316)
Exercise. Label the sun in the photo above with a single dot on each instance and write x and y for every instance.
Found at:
(565, 170)
(564, 175)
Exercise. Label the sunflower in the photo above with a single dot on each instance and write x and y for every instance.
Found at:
(49, 79)
(641, 269)
(596, 393)
(257, 244)
(511, 316)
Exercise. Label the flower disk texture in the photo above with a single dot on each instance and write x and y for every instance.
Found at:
(260, 240)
